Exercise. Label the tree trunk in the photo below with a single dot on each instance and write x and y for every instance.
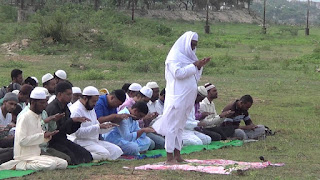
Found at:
(96, 5)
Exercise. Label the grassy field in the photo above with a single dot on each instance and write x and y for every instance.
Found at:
(277, 69)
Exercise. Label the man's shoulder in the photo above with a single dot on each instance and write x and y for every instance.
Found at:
(230, 106)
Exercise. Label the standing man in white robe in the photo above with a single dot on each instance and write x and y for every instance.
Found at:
(29, 135)
(87, 135)
(182, 72)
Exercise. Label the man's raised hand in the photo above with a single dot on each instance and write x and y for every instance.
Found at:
(80, 119)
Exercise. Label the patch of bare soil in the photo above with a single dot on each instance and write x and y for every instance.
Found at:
(232, 15)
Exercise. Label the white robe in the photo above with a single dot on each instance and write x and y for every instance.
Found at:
(181, 91)
(87, 135)
(28, 136)
(191, 136)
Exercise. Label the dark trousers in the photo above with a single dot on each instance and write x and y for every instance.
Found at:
(6, 154)
(77, 153)
(218, 133)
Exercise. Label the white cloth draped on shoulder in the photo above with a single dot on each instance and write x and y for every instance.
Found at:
(181, 90)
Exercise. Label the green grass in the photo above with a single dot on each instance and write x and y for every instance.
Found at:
(277, 69)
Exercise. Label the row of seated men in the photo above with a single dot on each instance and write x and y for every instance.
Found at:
(58, 124)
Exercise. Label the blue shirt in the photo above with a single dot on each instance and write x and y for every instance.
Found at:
(125, 132)
(102, 108)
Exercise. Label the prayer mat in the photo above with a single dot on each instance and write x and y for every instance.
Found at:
(197, 148)
(19, 173)
(212, 166)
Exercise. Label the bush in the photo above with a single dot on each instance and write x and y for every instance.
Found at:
(8, 14)
(56, 26)
(163, 30)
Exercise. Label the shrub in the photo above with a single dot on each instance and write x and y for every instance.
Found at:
(8, 14)
(55, 26)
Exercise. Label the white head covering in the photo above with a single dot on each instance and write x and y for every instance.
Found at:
(209, 86)
(38, 93)
(202, 91)
(146, 91)
(135, 87)
(43, 89)
(76, 90)
(152, 85)
(90, 91)
(47, 77)
(181, 50)
(16, 91)
(35, 79)
(61, 74)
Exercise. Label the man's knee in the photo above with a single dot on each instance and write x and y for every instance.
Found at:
(239, 133)
(192, 141)
(130, 149)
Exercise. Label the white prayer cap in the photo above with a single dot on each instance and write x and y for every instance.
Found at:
(76, 90)
(146, 91)
(43, 89)
(61, 74)
(47, 77)
(195, 37)
(135, 87)
(35, 79)
(152, 85)
(37, 93)
(90, 91)
(16, 91)
(202, 91)
(209, 86)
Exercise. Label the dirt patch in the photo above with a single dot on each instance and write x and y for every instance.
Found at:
(10, 49)
(237, 16)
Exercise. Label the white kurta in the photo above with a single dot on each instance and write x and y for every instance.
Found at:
(4, 121)
(213, 119)
(87, 135)
(155, 107)
(28, 136)
(181, 91)
(191, 136)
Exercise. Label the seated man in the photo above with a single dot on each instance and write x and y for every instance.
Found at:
(66, 125)
(76, 94)
(133, 90)
(211, 120)
(131, 139)
(144, 95)
(240, 108)
(87, 135)
(106, 107)
(29, 135)
(190, 136)
(24, 95)
(49, 83)
(48, 124)
(10, 101)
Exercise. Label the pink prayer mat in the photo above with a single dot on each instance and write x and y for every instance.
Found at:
(212, 166)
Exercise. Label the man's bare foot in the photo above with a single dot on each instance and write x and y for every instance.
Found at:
(180, 160)
(171, 162)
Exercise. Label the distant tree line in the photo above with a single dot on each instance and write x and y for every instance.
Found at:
(144, 4)
(285, 12)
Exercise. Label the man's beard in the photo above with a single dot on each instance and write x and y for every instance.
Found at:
(88, 107)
